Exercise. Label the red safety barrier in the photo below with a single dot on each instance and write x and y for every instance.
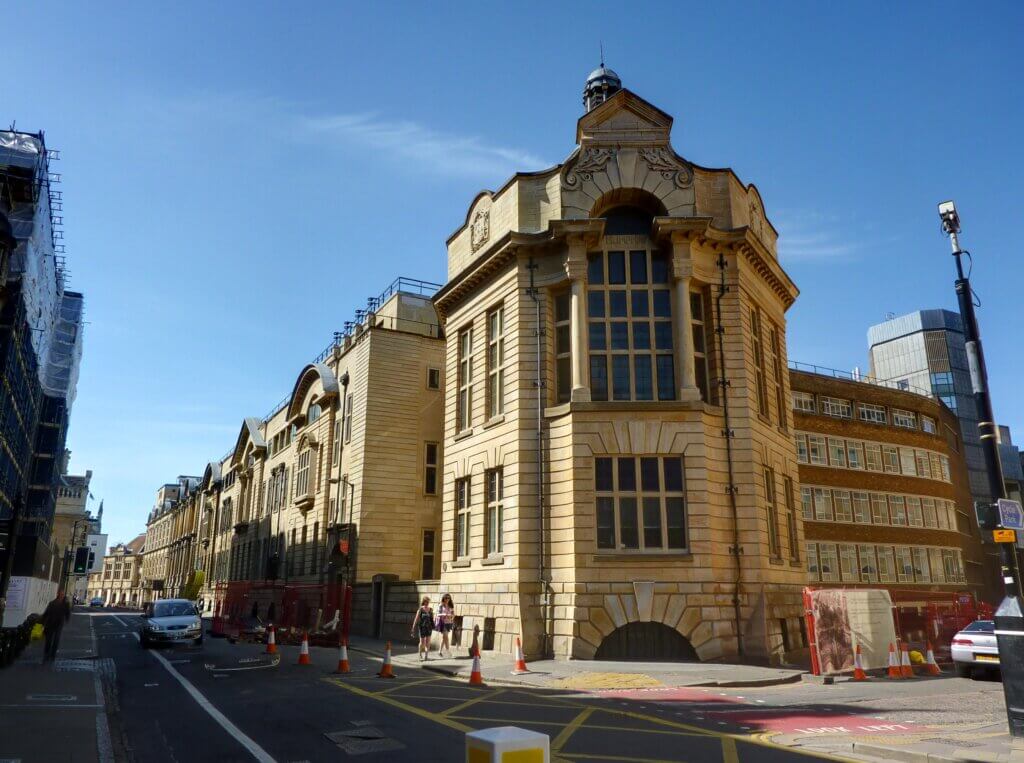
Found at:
(245, 608)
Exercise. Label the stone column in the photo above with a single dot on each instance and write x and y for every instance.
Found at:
(682, 273)
(576, 269)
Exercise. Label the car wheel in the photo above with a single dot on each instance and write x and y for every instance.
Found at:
(963, 670)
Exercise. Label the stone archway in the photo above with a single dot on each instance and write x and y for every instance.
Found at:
(647, 642)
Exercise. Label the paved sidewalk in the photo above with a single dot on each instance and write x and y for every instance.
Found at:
(583, 674)
(38, 699)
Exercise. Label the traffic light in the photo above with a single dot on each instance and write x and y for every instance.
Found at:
(987, 515)
(82, 560)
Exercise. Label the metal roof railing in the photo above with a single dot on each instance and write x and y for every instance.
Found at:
(856, 377)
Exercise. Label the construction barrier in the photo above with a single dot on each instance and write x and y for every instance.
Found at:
(244, 610)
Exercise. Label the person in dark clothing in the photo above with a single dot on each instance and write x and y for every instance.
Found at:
(57, 613)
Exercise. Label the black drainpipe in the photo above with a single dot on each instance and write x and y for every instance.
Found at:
(723, 383)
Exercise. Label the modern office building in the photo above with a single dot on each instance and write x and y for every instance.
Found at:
(924, 351)
(884, 492)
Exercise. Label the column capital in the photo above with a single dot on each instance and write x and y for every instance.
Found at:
(576, 264)
(682, 266)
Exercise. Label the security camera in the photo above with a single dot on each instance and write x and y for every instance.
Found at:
(950, 219)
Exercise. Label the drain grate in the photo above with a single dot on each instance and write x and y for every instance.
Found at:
(80, 666)
(364, 740)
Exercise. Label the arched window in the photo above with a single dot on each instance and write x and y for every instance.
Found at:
(313, 413)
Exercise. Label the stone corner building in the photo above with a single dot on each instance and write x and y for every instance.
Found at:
(642, 295)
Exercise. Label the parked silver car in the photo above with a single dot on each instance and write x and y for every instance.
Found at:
(975, 646)
(170, 621)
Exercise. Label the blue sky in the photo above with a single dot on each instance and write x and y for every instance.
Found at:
(223, 161)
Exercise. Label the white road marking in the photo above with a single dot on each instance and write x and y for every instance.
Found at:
(247, 742)
(104, 747)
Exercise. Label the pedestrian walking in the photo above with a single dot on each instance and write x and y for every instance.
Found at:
(423, 623)
(445, 622)
(57, 613)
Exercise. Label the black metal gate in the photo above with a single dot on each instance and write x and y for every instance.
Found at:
(646, 642)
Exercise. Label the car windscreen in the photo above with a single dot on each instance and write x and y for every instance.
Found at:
(983, 626)
(173, 609)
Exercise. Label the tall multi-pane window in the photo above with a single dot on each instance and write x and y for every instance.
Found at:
(427, 565)
(463, 413)
(829, 562)
(302, 474)
(775, 350)
(336, 444)
(640, 503)
(496, 362)
(791, 529)
(816, 449)
(348, 417)
(462, 499)
(700, 344)
(898, 510)
(868, 564)
(494, 510)
(563, 349)
(629, 326)
(430, 468)
(801, 448)
(760, 381)
(813, 571)
(774, 547)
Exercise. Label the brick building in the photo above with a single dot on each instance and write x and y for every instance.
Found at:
(884, 491)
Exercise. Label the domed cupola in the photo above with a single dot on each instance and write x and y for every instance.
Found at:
(601, 85)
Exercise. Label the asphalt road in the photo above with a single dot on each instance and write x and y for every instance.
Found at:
(213, 703)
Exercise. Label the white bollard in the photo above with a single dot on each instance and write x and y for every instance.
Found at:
(490, 745)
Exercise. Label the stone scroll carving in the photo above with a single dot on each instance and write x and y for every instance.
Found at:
(591, 160)
(662, 160)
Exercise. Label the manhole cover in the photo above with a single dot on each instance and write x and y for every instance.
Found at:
(953, 742)
(364, 740)
(85, 666)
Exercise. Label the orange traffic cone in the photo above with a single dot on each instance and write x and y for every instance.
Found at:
(520, 667)
(931, 666)
(343, 657)
(385, 668)
(304, 650)
(894, 666)
(858, 667)
(906, 669)
(271, 641)
(476, 678)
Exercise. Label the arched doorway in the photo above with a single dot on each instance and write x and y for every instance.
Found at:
(646, 642)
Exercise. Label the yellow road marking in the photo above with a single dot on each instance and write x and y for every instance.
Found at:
(729, 754)
(401, 706)
(411, 683)
(591, 756)
(570, 729)
(470, 702)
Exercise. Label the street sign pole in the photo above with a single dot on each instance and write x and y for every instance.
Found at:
(1009, 617)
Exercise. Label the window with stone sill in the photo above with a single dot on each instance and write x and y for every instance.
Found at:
(629, 326)
(803, 401)
(874, 414)
(496, 362)
(832, 406)
(791, 524)
(760, 375)
(464, 380)
(494, 486)
(640, 504)
(774, 544)
(463, 495)
(904, 419)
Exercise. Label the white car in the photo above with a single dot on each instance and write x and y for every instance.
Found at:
(975, 647)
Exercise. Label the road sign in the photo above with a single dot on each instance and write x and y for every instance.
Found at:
(1011, 515)
(1004, 536)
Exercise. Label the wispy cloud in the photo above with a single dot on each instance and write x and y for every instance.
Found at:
(811, 236)
(429, 149)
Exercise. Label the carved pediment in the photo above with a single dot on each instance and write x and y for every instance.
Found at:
(624, 119)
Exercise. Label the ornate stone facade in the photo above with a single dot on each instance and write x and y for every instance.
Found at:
(691, 554)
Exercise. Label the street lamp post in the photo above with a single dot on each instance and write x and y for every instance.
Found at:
(1009, 617)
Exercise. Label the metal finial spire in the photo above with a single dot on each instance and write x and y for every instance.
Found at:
(600, 44)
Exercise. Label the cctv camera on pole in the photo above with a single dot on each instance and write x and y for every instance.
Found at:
(1009, 617)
